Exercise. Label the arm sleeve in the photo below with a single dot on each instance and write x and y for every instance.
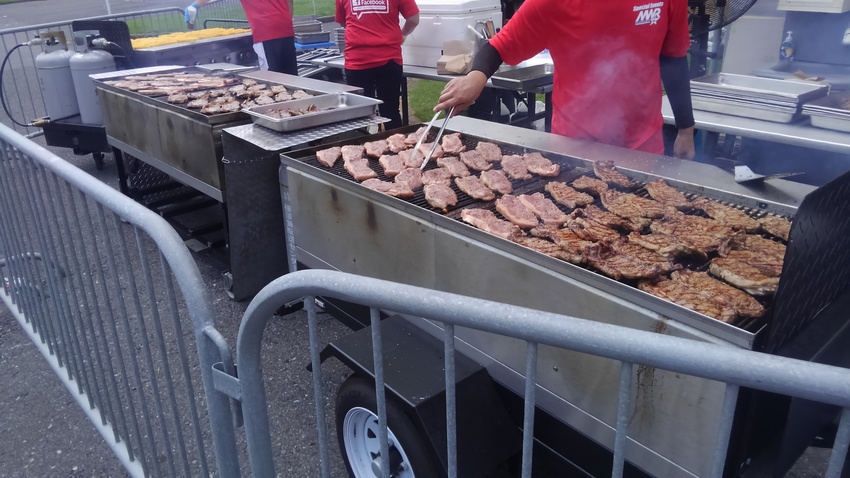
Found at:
(487, 60)
(677, 85)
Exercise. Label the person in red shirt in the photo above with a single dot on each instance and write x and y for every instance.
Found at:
(372, 53)
(271, 26)
(610, 60)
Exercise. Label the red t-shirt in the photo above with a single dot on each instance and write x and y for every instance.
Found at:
(607, 82)
(372, 30)
(269, 19)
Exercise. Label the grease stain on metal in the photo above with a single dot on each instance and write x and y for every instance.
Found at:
(371, 219)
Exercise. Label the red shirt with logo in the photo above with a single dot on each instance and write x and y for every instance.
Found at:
(372, 30)
(607, 80)
(269, 19)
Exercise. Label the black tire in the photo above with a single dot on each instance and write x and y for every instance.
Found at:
(359, 393)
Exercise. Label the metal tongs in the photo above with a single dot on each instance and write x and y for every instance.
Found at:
(436, 139)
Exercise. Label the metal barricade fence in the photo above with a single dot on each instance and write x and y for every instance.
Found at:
(632, 348)
(110, 295)
(24, 99)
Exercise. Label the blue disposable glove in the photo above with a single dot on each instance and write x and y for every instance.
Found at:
(190, 13)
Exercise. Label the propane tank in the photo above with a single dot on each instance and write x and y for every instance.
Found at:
(89, 61)
(53, 66)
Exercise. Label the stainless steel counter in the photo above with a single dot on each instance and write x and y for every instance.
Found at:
(800, 133)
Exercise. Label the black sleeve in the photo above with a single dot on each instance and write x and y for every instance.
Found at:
(487, 60)
(677, 85)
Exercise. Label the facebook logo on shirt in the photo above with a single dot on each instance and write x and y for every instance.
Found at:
(359, 7)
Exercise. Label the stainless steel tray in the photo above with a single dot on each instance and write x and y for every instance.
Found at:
(836, 104)
(331, 109)
(314, 37)
(758, 87)
(831, 122)
(524, 78)
(776, 115)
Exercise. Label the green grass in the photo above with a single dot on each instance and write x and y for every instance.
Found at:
(324, 8)
(422, 97)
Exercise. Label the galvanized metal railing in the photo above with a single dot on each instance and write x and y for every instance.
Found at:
(112, 298)
(20, 78)
(811, 381)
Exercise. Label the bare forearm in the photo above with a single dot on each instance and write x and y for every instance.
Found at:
(410, 24)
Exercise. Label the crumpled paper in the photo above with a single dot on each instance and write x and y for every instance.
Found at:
(456, 59)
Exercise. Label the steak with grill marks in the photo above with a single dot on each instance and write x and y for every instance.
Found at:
(376, 149)
(546, 247)
(350, 152)
(392, 164)
(743, 276)
(667, 246)
(591, 230)
(411, 176)
(359, 169)
(328, 157)
(396, 143)
(680, 293)
(776, 226)
(514, 167)
(437, 176)
(454, 165)
(399, 190)
(178, 98)
(666, 195)
(566, 239)
(593, 185)
(487, 221)
(489, 151)
(543, 208)
(497, 181)
(618, 259)
(605, 218)
(729, 216)
(762, 250)
(699, 233)
(474, 160)
(452, 144)
(744, 304)
(566, 195)
(515, 211)
(632, 207)
(605, 171)
(475, 188)
(440, 196)
(540, 165)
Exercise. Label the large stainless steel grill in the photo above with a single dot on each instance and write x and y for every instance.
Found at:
(333, 222)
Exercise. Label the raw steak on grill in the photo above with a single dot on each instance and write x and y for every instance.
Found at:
(497, 181)
(489, 151)
(329, 156)
(515, 211)
(475, 188)
(487, 221)
(544, 208)
(376, 149)
(454, 165)
(474, 160)
(411, 176)
(514, 167)
(399, 190)
(440, 196)
(538, 164)
(392, 164)
(359, 169)
(437, 176)
(413, 138)
(396, 143)
(452, 144)
(350, 152)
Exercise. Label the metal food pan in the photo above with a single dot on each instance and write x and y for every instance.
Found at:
(332, 108)
(831, 122)
(314, 37)
(833, 104)
(524, 78)
(760, 87)
(776, 115)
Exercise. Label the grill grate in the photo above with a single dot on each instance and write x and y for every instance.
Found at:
(568, 174)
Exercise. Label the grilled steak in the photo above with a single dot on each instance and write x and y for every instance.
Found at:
(376, 149)
(497, 181)
(590, 230)
(350, 152)
(680, 293)
(399, 190)
(546, 247)
(566, 239)
(178, 98)
(566, 195)
(440, 196)
(454, 165)
(776, 226)
(744, 305)
(282, 96)
(487, 221)
(743, 276)
(537, 164)
(264, 100)
(359, 168)
(474, 160)
(329, 156)
(729, 216)
(396, 142)
(593, 185)
(605, 218)
(437, 176)
(489, 151)
(769, 250)
(631, 206)
(452, 144)
(515, 211)
(514, 167)
(605, 171)
(278, 89)
(667, 246)
(392, 164)
(544, 208)
(300, 95)
(413, 138)
(411, 176)
(475, 188)
(699, 233)
(619, 259)
(666, 195)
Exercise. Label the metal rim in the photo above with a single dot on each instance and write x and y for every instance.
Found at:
(363, 447)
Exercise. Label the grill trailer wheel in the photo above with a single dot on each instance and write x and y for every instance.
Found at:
(357, 431)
